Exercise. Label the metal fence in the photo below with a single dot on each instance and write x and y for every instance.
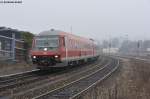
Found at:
(11, 48)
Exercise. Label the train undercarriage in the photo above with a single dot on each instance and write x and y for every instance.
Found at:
(48, 62)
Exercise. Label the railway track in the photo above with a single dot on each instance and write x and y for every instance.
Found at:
(131, 57)
(6, 79)
(74, 89)
(57, 81)
(19, 81)
(26, 82)
(10, 77)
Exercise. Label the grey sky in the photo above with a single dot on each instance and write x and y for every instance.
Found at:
(91, 18)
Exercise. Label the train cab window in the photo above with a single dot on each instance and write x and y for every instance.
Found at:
(51, 43)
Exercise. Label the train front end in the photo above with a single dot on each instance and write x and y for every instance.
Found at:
(46, 51)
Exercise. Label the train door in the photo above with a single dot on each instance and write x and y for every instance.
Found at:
(64, 48)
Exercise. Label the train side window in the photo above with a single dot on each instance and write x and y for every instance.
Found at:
(76, 45)
(70, 46)
(71, 43)
(63, 42)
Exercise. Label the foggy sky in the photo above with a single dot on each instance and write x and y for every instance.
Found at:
(98, 19)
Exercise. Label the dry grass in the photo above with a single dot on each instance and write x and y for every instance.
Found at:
(132, 81)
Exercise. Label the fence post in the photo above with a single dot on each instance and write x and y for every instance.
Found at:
(13, 46)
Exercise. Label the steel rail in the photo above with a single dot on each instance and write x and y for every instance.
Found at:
(27, 81)
(131, 57)
(39, 87)
(12, 77)
(69, 84)
(80, 93)
(6, 78)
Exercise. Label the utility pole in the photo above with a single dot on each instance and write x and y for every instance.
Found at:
(109, 47)
(13, 46)
(138, 46)
(109, 44)
(127, 45)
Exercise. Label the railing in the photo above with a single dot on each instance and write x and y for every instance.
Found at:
(13, 50)
(4, 55)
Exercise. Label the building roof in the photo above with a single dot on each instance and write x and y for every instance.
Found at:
(4, 31)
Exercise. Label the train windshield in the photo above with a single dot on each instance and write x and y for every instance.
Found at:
(50, 43)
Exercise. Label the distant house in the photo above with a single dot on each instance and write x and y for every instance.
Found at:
(110, 50)
(148, 49)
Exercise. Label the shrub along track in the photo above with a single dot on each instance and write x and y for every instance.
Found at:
(32, 86)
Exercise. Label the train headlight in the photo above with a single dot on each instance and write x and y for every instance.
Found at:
(34, 57)
(56, 56)
(45, 49)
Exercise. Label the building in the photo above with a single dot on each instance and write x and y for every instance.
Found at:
(12, 46)
(110, 50)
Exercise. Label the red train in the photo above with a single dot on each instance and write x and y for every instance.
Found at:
(55, 48)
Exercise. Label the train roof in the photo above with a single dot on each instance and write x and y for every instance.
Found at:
(50, 32)
(58, 32)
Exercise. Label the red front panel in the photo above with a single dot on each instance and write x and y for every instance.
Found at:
(40, 53)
